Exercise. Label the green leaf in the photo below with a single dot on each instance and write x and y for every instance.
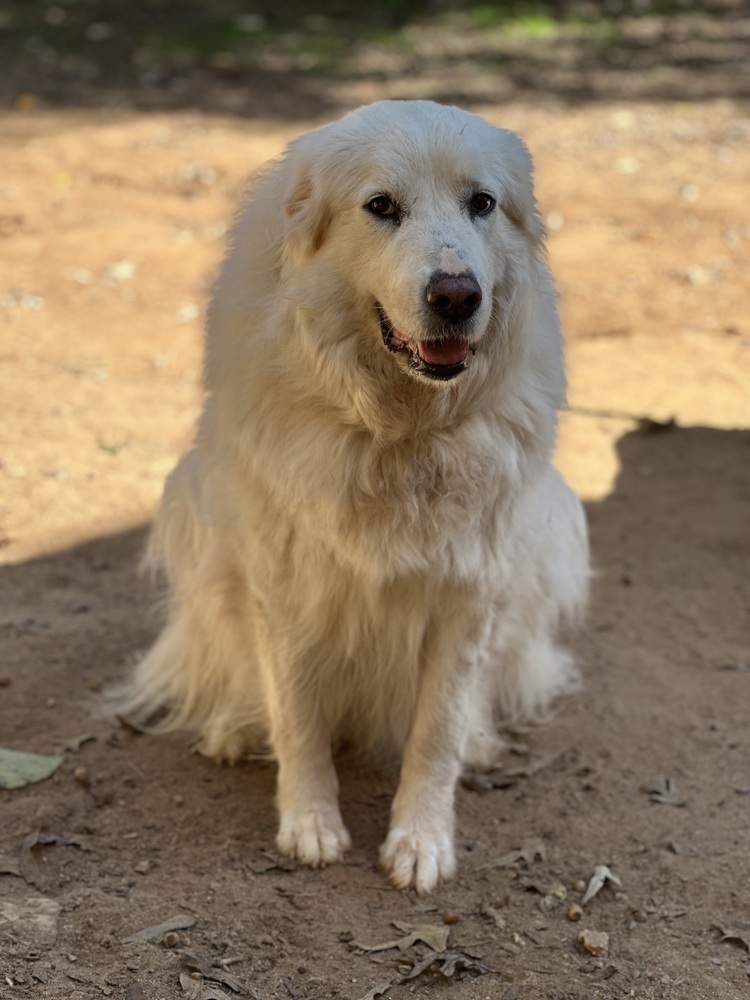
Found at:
(18, 768)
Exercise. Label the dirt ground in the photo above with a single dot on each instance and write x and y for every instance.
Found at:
(112, 224)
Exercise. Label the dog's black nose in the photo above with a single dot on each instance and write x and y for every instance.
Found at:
(454, 297)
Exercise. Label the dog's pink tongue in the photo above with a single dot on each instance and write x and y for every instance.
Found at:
(444, 352)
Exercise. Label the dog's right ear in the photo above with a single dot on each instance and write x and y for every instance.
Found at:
(307, 212)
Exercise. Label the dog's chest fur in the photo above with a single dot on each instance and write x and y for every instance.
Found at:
(433, 504)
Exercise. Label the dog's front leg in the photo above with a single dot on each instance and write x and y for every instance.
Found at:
(418, 852)
(311, 828)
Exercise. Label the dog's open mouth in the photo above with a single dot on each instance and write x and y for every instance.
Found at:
(440, 359)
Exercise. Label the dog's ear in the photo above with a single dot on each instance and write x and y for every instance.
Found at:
(518, 201)
(307, 211)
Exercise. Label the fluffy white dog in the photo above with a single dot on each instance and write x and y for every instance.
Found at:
(368, 541)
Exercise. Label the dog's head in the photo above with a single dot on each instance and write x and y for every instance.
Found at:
(421, 220)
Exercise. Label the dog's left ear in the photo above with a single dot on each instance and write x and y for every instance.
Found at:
(518, 201)
(306, 211)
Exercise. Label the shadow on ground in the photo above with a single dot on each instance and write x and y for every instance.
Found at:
(157, 830)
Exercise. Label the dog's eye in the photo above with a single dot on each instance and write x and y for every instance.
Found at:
(481, 203)
(383, 206)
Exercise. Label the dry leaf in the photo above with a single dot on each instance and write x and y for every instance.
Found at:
(739, 934)
(529, 851)
(75, 744)
(34, 920)
(178, 923)
(598, 880)
(377, 991)
(664, 792)
(536, 763)
(210, 971)
(198, 989)
(18, 768)
(446, 964)
(433, 935)
(41, 837)
(9, 866)
(487, 781)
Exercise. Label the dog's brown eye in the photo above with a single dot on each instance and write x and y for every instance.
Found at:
(383, 206)
(481, 203)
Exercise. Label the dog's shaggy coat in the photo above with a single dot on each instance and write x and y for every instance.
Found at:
(368, 540)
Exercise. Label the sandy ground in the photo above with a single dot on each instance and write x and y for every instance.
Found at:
(111, 228)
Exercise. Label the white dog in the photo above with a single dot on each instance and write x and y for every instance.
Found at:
(368, 541)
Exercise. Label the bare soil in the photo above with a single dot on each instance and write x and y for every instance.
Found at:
(111, 227)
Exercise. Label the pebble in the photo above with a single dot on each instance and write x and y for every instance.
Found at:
(81, 775)
(450, 917)
(594, 942)
(171, 939)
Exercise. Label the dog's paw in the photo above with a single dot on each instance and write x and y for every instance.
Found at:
(316, 837)
(413, 859)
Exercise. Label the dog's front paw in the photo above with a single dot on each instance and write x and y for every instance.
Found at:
(413, 859)
(316, 838)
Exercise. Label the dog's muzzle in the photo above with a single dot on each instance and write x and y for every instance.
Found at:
(441, 359)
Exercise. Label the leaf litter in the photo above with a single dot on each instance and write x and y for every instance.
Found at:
(34, 920)
(181, 922)
(377, 991)
(18, 768)
(739, 934)
(598, 880)
(198, 989)
(526, 854)
(446, 965)
(211, 969)
(436, 961)
(664, 792)
(9, 865)
(508, 776)
(433, 935)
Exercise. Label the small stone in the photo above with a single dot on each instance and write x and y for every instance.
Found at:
(81, 775)
(574, 913)
(171, 939)
(579, 885)
(51, 702)
(451, 917)
(594, 942)
(548, 903)
(143, 867)
(196, 975)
